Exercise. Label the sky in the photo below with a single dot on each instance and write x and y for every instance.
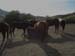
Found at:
(39, 7)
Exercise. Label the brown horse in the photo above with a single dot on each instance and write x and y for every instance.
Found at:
(41, 26)
(4, 29)
(32, 22)
(41, 29)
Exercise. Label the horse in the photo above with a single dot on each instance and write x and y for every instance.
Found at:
(62, 24)
(40, 29)
(50, 22)
(54, 22)
(4, 29)
(19, 25)
(32, 22)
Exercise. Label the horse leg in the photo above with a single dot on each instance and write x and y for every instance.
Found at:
(8, 35)
(24, 33)
(55, 28)
(43, 36)
(12, 32)
(3, 34)
(57, 31)
(63, 27)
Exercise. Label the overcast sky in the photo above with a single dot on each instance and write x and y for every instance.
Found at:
(39, 7)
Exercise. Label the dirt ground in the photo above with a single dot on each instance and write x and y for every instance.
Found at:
(61, 44)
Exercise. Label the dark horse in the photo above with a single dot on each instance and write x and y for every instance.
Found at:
(62, 24)
(54, 22)
(4, 29)
(32, 23)
(50, 22)
(19, 25)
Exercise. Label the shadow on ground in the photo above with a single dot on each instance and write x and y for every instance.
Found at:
(70, 34)
(3, 48)
(65, 37)
(48, 49)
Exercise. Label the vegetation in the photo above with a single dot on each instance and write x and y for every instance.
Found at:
(17, 16)
(12, 16)
(70, 18)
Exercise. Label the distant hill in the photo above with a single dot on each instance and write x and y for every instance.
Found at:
(70, 17)
(3, 13)
(65, 15)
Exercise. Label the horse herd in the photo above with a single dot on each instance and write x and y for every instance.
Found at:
(39, 27)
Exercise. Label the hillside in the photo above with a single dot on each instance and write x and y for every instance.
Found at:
(3, 12)
(65, 15)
